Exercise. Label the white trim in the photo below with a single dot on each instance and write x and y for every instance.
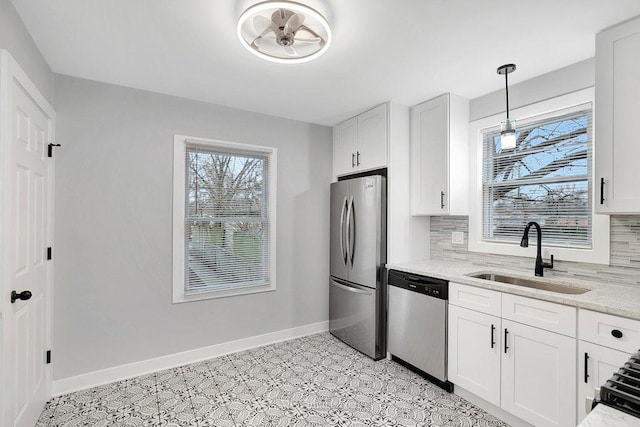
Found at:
(599, 254)
(179, 149)
(117, 373)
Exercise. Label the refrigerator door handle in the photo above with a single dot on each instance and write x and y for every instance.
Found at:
(352, 244)
(343, 251)
(348, 229)
(351, 289)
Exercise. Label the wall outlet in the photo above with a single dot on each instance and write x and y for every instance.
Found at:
(457, 238)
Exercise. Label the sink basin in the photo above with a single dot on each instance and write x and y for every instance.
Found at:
(530, 283)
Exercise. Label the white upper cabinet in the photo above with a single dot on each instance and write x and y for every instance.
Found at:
(617, 108)
(440, 156)
(360, 143)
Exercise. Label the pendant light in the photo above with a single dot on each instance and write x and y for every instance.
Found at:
(508, 127)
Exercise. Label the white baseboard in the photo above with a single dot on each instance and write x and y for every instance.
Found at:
(117, 373)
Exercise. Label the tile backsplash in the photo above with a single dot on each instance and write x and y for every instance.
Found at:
(624, 261)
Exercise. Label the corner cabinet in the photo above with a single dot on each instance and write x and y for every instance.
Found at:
(605, 343)
(617, 106)
(440, 156)
(360, 143)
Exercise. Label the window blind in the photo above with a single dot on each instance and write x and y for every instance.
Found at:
(547, 178)
(226, 218)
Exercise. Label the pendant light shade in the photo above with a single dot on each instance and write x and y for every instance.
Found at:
(508, 127)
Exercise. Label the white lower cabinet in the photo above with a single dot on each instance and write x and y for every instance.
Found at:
(538, 375)
(474, 352)
(596, 364)
(527, 371)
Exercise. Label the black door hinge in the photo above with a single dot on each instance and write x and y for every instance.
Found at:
(49, 253)
(48, 356)
(50, 152)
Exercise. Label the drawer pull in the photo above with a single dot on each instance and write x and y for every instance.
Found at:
(617, 333)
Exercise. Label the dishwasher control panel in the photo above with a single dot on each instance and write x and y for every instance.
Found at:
(436, 288)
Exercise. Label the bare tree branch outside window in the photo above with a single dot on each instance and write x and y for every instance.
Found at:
(546, 178)
(226, 219)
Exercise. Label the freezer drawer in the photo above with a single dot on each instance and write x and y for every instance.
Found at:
(354, 317)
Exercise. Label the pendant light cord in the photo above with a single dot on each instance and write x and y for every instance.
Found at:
(506, 91)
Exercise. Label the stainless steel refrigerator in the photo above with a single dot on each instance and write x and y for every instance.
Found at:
(357, 300)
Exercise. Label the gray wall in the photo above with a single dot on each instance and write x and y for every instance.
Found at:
(564, 80)
(15, 38)
(113, 227)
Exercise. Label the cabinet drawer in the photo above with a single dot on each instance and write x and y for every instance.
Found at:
(610, 331)
(478, 299)
(540, 314)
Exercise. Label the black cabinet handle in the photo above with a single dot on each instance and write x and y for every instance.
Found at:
(24, 295)
(493, 341)
(442, 200)
(506, 347)
(358, 158)
(353, 160)
(602, 191)
(586, 368)
(617, 333)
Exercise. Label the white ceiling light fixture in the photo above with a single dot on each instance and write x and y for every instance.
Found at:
(284, 32)
(508, 127)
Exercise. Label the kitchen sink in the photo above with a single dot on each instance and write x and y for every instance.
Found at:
(530, 283)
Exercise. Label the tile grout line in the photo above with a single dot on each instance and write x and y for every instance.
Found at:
(157, 394)
(219, 392)
(193, 409)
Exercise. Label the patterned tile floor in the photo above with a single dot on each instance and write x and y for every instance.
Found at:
(311, 381)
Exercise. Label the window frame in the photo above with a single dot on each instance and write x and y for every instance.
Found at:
(180, 143)
(598, 253)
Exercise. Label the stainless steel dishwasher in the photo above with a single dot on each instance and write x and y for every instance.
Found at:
(417, 324)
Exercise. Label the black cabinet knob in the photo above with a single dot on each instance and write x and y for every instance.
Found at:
(24, 295)
(617, 333)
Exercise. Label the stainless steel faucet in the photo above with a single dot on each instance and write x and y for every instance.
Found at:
(540, 265)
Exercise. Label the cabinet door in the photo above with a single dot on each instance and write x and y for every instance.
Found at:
(371, 152)
(430, 157)
(538, 375)
(617, 125)
(596, 364)
(474, 352)
(345, 137)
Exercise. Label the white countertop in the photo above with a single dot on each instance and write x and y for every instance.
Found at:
(605, 416)
(620, 300)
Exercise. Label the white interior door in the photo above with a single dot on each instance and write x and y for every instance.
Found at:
(27, 127)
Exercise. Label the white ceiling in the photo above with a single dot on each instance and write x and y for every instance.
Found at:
(405, 51)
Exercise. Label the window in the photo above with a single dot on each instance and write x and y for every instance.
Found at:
(547, 178)
(224, 219)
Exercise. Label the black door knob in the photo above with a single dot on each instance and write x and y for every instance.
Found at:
(616, 333)
(24, 295)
